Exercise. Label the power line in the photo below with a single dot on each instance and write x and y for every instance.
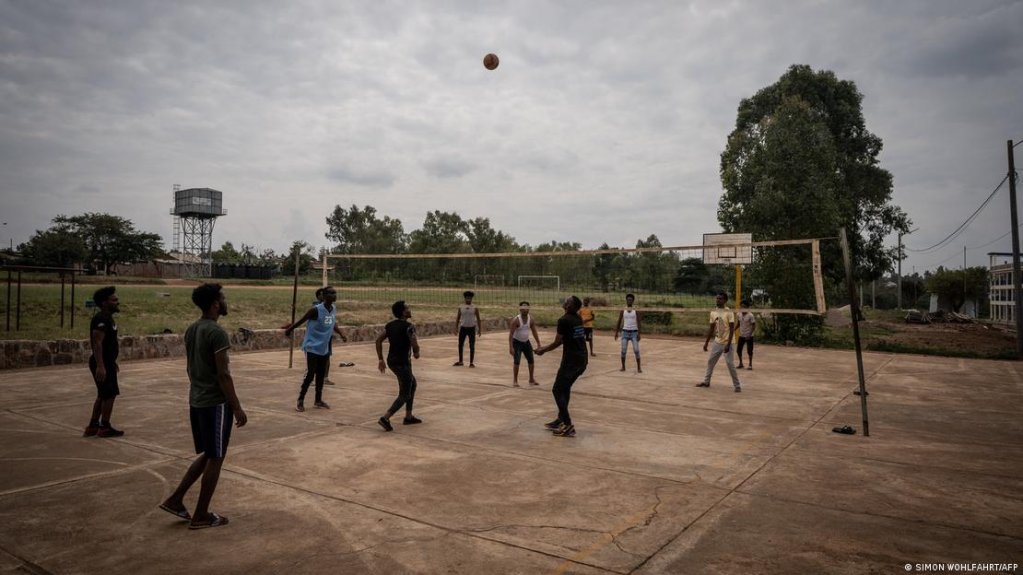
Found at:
(955, 233)
(992, 241)
(1018, 142)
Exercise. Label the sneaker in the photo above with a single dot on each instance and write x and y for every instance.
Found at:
(457, 364)
(108, 431)
(300, 406)
(553, 425)
(565, 431)
(322, 405)
(472, 365)
(328, 382)
(411, 420)
(515, 384)
(738, 389)
(704, 384)
(750, 367)
(740, 366)
(385, 424)
(91, 430)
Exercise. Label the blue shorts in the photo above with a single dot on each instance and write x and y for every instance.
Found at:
(211, 429)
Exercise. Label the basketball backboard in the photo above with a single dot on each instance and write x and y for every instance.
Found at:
(729, 249)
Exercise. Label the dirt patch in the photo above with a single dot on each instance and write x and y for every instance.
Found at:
(980, 339)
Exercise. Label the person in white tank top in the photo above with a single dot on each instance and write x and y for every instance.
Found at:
(467, 325)
(629, 324)
(518, 342)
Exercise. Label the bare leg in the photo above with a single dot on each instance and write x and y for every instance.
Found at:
(96, 408)
(639, 368)
(531, 380)
(515, 374)
(106, 409)
(210, 477)
(176, 501)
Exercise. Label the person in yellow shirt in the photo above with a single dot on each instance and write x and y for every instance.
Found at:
(722, 329)
(587, 315)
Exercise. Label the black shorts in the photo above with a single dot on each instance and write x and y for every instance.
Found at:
(211, 429)
(521, 348)
(588, 331)
(108, 388)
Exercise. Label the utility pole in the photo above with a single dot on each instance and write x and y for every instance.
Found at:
(901, 257)
(1017, 292)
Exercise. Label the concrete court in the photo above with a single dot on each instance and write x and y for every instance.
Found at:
(662, 478)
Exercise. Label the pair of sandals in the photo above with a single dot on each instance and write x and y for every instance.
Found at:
(183, 514)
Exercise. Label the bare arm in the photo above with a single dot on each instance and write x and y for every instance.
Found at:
(536, 336)
(618, 328)
(380, 351)
(479, 322)
(97, 352)
(337, 330)
(227, 386)
(639, 325)
(512, 325)
(710, 334)
(554, 345)
(458, 320)
(415, 345)
(731, 332)
(311, 314)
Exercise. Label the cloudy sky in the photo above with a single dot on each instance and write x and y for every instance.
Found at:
(604, 122)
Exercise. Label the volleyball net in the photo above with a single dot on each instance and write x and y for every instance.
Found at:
(781, 276)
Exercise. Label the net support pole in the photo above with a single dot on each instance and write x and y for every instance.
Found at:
(294, 302)
(738, 284)
(323, 278)
(818, 280)
(1017, 286)
(854, 307)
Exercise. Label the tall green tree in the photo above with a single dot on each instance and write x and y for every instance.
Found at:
(484, 239)
(655, 271)
(110, 239)
(691, 276)
(55, 247)
(227, 254)
(801, 163)
(356, 231)
(959, 285)
(442, 233)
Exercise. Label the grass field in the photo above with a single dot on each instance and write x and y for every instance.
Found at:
(151, 309)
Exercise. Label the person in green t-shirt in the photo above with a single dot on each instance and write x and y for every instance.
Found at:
(212, 404)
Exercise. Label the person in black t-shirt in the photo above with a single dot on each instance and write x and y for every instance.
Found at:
(401, 338)
(573, 364)
(103, 363)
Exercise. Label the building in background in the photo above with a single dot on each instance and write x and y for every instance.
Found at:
(1000, 291)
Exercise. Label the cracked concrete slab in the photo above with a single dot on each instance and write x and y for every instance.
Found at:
(662, 478)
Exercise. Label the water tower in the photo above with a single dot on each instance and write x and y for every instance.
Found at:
(195, 212)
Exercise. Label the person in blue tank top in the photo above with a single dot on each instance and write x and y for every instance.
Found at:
(321, 325)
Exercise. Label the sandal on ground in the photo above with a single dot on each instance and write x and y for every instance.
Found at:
(346, 364)
(180, 514)
(845, 429)
(214, 521)
(457, 364)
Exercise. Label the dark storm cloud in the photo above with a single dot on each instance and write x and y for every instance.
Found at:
(615, 112)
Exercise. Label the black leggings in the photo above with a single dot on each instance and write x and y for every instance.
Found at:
(467, 332)
(316, 366)
(744, 341)
(406, 388)
(562, 390)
